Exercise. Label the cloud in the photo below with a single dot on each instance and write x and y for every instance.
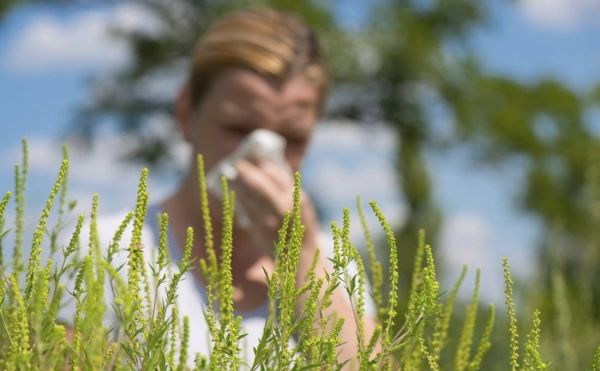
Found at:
(467, 239)
(338, 134)
(81, 41)
(99, 168)
(470, 238)
(336, 187)
(338, 182)
(560, 14)
(348, 160)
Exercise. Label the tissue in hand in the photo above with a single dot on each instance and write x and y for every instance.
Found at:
(260, 145)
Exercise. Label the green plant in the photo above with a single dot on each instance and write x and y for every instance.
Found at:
(149, 332)
(596, 361)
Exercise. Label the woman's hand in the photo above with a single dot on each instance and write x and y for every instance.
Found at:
(265, 192)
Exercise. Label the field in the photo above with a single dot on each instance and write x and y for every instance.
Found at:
(412, 332)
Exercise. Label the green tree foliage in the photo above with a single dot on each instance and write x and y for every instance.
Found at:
(5, 6)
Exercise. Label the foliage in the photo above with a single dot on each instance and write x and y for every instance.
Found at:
(149, 333)
(407, 57)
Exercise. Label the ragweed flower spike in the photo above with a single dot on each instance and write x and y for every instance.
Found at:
(532, 359)
(209, 267)
(20, 186)
(374, 264)
(596, 361)
(36, 246)
(512, 317)
(442, 323)
(393, 272)
(135, 263)
(3, 204)
(183, 347)
(19, 353)
(163, 242)
(463, 352)
(484, 342)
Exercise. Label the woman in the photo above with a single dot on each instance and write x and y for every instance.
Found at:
(252, 70)
(255, 70)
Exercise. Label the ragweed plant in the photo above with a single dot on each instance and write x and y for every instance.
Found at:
(532, 359)
(596, 360)
(142, 326)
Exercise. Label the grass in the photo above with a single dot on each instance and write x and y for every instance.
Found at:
(149, 332)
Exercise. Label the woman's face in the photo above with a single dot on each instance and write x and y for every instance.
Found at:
(240, 101)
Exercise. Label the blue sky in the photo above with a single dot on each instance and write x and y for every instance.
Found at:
(47, 53)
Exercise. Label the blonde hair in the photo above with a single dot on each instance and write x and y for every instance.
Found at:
(272, 43)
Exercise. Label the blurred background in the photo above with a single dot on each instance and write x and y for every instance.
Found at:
(476, 120)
